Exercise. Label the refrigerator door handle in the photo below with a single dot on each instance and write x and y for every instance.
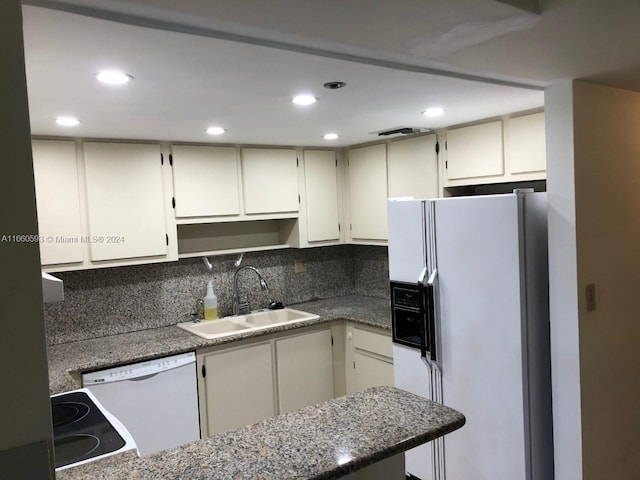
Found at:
(423, 274)
(423, 327)
(431, 316)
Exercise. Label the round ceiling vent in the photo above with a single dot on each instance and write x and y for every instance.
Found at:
(334, 85)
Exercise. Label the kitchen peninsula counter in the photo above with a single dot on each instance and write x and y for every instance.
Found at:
(323, 441)
(69, 360)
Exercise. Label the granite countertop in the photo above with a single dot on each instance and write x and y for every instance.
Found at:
(324, 441)
(67, 361)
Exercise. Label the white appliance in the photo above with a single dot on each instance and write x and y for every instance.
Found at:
(84, 431)
(52, 288)
(157, 400)
(469, 288)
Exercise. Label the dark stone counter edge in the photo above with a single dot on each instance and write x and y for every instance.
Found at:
(392, 450)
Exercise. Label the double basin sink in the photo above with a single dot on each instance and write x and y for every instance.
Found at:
(257, 320)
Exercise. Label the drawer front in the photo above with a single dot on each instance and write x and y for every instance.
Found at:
(373, 342)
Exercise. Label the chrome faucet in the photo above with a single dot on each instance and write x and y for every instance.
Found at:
(244, 306)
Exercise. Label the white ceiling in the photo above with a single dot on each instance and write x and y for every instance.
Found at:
(237, 64)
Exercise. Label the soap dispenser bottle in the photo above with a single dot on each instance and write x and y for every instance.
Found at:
(210, 303)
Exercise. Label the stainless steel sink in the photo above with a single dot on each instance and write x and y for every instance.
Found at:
(260, 319)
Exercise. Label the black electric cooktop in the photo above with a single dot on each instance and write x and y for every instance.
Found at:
(80, 429)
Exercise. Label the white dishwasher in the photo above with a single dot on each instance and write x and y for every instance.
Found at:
(156, 400)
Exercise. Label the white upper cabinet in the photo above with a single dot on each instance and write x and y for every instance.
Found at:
(55, 171)
(475, 152)
(205, 181)
(413, 167)
(321, 185)
(368, 192)
(270, 180)
(512, 150)
(125, 201)
(526, 144)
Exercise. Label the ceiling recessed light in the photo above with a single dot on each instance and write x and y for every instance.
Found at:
(113, 77)
(330, 136)
(433, 112)
(67, 121)
(215, 130)
(304, 100)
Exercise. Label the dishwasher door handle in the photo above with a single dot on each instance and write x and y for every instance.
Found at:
(143, 377)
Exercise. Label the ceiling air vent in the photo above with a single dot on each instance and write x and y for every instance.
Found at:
(400, 131)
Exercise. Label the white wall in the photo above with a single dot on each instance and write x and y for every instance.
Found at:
(25, 419)
(563, 301)
(607, 173)
(593, 171)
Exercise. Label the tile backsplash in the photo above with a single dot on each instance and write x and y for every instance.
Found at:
(109, 301)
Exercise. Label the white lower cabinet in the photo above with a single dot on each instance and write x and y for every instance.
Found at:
(305, 370)
(239, 385)
(368, 359)
(236, 387)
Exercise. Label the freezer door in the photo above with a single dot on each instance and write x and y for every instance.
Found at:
(478, 258)
(413, 375)
(407, 247)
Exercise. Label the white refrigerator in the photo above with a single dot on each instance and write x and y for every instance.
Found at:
(469, 296)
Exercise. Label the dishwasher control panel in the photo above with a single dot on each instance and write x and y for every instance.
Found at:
(142, 369)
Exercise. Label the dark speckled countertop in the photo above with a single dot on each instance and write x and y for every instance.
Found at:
(324, 441)
(67, 361)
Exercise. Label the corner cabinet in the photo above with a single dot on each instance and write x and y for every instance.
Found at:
(367, 170)
(368, 358)
(57, 188)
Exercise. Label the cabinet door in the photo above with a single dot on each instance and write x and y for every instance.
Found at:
(368, 358)
(474, 152)
(239, 387)
(321, 182)
(55, 172)
(270, 180)
(125, 201)
(526, 144)
(413, 167)
(205, 181)
(368, 192)
(305, 370)
(372, 371)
